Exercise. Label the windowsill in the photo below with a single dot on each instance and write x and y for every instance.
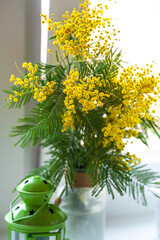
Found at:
(139, 227)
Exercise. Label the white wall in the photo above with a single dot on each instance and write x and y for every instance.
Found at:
(12, 42)
(19, 41)
(32, 54)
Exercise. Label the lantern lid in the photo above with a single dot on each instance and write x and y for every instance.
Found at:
(46, 218)
(35, 183)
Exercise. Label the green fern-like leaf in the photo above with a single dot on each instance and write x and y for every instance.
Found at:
(134, 182)
(22, 100)
(63, 151)
(43, 120)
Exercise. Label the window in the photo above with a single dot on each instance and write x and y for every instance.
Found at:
(138, 22)
(45, 4)
(139, 40)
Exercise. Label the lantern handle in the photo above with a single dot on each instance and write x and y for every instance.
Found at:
(11, 204)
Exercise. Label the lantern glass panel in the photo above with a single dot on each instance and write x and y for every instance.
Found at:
(17, 236)
(21, 236)
(46, 238)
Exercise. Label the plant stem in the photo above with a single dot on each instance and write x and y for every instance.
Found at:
(69, 64)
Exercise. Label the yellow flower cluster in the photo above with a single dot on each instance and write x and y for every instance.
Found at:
(84, 93)
(31, 83)
(139, 91)
(75, 34)
(67, 121)
(136, 89)
(123, 161)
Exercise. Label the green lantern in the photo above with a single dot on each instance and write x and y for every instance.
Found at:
(34, 217)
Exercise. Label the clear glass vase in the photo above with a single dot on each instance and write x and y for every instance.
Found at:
(86, 214)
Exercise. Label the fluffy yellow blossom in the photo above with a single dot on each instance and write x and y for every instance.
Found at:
(81, 93)
(74, 33)
(134, 90)
(138, 87)
(31, 83)
(12, 78)
(121, 99)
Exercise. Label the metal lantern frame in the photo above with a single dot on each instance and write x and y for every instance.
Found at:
(32, 234)
(29, 224)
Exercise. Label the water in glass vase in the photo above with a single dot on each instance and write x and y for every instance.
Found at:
(86, 214)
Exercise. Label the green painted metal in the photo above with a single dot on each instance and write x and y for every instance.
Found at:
(34, 184)
(35, 190)
(46, 218)
(9, 233)
(26, 236)
(35, 219)
(35, 236)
